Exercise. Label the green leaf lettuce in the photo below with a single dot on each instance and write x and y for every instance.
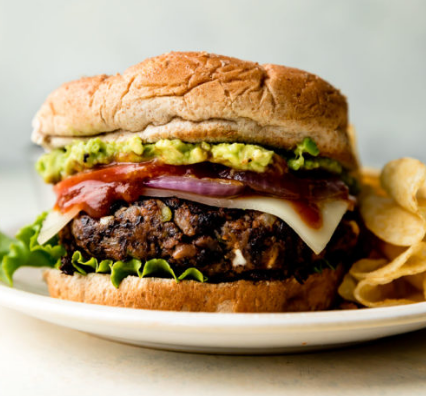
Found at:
(25, 251)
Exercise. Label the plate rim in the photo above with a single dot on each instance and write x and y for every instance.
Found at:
(32, 303)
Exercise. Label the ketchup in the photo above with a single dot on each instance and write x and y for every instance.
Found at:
(95, 191)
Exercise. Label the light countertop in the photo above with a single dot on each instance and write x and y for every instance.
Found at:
(38, 358)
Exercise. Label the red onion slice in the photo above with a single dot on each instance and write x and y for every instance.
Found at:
(205, 186)
(288, 186)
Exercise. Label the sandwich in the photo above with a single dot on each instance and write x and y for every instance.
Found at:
(195, 182)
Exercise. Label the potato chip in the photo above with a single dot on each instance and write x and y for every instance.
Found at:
(417, 280)
(391, 251)
(411, 262)
(370, 181)
(358, 272)
(393, 207)
(347, 287)
(376, 283)
(391, 223)
(403, 179)
(353, 142)
(397, 292)
(364, 267)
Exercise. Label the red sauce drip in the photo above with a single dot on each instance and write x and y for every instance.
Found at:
(95, 191)
(95, 197)
(309, 212)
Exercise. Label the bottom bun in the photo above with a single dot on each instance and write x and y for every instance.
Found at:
(318, 292)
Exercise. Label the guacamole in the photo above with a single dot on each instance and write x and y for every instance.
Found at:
(60, 163)
(83, 155)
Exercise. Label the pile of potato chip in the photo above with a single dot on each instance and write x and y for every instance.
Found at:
(393, 206)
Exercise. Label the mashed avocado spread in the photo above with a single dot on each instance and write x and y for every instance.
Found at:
(79, 156)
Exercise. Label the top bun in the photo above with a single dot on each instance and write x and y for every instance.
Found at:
(196, 96)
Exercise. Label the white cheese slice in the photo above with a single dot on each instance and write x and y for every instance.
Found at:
(332, 212)
(54, 222)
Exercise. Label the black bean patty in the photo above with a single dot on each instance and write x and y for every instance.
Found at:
(224, 244)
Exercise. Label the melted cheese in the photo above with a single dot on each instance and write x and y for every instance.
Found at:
(332, 212)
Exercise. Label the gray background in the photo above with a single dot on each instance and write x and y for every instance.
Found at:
(374, 51)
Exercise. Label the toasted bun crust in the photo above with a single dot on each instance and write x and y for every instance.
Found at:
(196, 96)
(317, 293)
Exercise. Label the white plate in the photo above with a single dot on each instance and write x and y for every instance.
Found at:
(212, 332)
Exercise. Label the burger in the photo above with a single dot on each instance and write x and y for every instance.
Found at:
(195, 182)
